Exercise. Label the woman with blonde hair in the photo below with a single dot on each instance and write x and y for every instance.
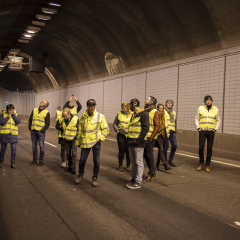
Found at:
(120, 126)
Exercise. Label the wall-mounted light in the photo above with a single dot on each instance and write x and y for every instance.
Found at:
(55, 4)
(49, 10)
(38, 23)
(30, 31)
(43, 17)
(27, 35)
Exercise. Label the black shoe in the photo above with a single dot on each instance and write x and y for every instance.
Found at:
(67, 169)
(73, 172)
(41, 163)
(13, 164)
(130, 183)
(171, 164)
(134, 186)
(33, 163)
(78, 179)
(166, 166)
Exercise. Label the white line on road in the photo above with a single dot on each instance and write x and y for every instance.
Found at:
(229, 164)
(237, 223)
(50, 144)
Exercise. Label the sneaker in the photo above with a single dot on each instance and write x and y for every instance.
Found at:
(33, 163)
(153, 177)
(134, 186)
(128, 168)
(171, 164)
(166, 166)
(78, 179)
(120, 168)
(41, 163)
(67, 169)
(207, 168)
(94, 182)
(130, 183)
(148, 178)
(200, 167)
(63, 164)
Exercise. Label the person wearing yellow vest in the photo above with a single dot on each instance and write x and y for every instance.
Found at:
(69, 104)
(161, 138)
(170, 131)
(93, 129)
(207, 122)
(120, 126)
(39, 122)
(9, 133)
(137, 132)
(58, 115)
(69, 128)
(150, 106)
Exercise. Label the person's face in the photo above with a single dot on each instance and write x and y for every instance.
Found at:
(91, 109)
(208, 102)
(132, 107)
(70, 104)
(147, 100)
(169, 105)
(10, 111)
(42, 103)
(66, 116)
(124, 109)
(160, 109)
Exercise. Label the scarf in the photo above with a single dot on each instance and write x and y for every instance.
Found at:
(170, 112)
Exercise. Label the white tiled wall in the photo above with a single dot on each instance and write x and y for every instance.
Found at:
(112, 98)
(162, 84)
(83, 96)
(134, 87)
(232, 96)
(96, 93)
(197, 80)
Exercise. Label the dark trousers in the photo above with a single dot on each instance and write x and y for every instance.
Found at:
(71, 149)
(123, 148)
(148, 155)
(63, 153)
(36, 137)
(173, 140)
(159, 144)
(203, 135)
(96, 159)
(13, 150)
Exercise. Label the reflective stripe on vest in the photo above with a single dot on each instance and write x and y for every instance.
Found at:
(123, 121)
(38, 121)
(168, 124)
(74, 111)
(207, 118)
(151, 127)
(59, 115)
(60, 122)
(10, 126)
(70, 131)
(134, 128)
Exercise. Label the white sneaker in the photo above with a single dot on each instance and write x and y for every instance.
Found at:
(63, 164)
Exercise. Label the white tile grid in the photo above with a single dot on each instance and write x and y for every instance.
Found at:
(73, 91)
(197, 80)
(38, 99)
(134, 87)
(96, 93)
(162, 84)
(55, 102)
(49, 98)
(83, 97)
(232, 97)
(112, 99)
(63, 97)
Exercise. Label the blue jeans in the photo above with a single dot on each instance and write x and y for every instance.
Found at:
(173, 140)
(13, 150)
(96, 159)
(38, 136)
(136, 156)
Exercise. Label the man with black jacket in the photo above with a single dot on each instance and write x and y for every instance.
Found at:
(39, 122)
(69, 128)
(138, 129)
(69, 104)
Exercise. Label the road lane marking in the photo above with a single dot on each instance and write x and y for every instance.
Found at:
(237, 223)
(229, 164)
(50, 144)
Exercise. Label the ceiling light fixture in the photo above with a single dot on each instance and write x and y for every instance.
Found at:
(32, 28)
(23, 41)
(38, 23)
(49, 10)
(43, 17)
(55, 4)
(26, 35)
(30, 31)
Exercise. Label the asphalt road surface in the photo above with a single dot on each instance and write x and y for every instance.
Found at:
(43, 202)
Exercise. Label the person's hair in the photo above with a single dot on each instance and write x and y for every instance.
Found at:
(67, 110)
(135, 102)
(160, 104)
(59, 108)
(47, 104)
(153, 100)
(9, 107)
(127, 106)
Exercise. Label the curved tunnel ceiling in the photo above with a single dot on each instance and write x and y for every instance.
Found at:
(142, 33)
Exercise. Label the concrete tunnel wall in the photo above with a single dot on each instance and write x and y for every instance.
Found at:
(186, 82)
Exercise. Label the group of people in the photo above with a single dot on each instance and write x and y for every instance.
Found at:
(138, 130)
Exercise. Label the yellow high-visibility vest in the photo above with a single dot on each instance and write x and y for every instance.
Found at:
(151, 127)
(70, 130)
(123, 121)
(168, 124)
(134, 128)
(38, 120)
(207, 118)
(92, 129)
(59, 114)
(74, 111)
(10, 126)
(60, 120)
